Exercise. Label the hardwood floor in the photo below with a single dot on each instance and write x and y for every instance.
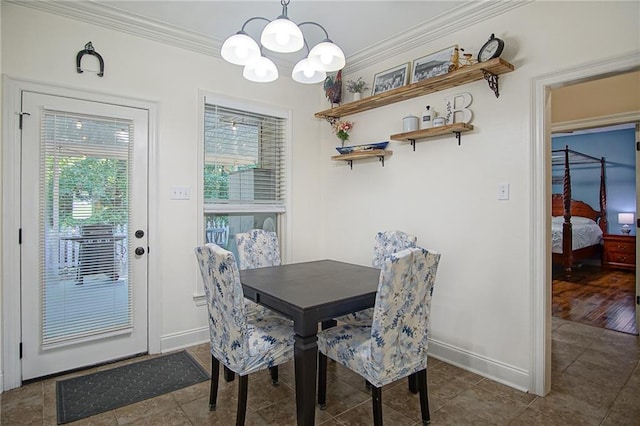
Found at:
(596, 296)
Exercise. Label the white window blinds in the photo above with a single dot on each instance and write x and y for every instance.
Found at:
(84, 206)
(243, 160)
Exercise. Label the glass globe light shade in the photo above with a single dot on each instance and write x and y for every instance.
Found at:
(282, 35)
(303, 72)
(261, 70)
(327, 56)
(240, 49)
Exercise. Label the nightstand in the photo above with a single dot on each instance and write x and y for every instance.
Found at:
(619, 252)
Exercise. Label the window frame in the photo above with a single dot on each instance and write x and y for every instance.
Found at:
(284, 221)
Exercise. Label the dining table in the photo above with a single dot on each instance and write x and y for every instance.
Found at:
(310, 293)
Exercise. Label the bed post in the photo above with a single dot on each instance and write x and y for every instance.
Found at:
(603, 199)
(567, 233)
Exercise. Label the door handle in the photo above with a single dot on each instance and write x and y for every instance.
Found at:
(139, 251)
(139, 233)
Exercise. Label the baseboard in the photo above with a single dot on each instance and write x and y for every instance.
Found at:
(184, 339)
(500, 372)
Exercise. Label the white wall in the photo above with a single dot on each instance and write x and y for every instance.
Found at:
(447, 194)
(442, 192)
(42, 47)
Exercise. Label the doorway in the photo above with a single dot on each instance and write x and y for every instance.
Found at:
(75, 192)
(84, 189)
(600, 288)
(540, 199)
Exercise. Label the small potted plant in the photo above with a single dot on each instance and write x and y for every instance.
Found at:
(357, 87)
(341, 129)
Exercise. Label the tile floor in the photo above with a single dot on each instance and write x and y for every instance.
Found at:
(595, 376)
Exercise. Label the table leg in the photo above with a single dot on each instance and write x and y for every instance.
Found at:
(306, 358)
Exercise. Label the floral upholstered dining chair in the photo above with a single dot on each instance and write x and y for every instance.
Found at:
(395, 345)
(257, 248)
(386, 243)
(243, 345)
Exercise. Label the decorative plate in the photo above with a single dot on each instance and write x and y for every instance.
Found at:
(358, 148)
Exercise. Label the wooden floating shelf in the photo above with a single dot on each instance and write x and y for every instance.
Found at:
(455, 128)
(380, 153)
(488, 70)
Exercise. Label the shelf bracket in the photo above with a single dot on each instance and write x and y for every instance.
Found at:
(350, 163)
(492, 79)
(381, 158)
(458, 137)
(331, 120)
(413, 143)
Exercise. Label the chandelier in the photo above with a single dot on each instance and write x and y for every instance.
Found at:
(283, 36)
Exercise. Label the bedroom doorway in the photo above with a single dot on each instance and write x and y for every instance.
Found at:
(597, 285)
(542, 86)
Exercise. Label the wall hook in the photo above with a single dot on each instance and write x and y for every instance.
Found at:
(89, 50)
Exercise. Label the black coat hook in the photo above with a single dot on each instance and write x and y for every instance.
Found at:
(89, 50)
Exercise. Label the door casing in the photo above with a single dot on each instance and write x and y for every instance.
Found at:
(540, 196)
(11, 326)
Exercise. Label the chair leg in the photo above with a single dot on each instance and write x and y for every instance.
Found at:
(243, 385)
(424, 396)
(274, 375)
(228, 375)
(322, 380)
(376, 399)
(413, 383)
(215, 374)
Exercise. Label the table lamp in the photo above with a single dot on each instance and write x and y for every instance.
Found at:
(625, 219)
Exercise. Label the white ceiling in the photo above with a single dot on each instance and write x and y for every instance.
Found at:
(365, 30)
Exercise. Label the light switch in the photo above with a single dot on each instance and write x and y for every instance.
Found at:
(180, 193)
(503, 191)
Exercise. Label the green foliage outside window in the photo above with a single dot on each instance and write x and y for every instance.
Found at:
(216, 181)
(102, 181)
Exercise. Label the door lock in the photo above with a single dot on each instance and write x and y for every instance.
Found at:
(139, 233)
(139, 251)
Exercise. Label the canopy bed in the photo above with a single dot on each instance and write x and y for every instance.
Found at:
(577, 228)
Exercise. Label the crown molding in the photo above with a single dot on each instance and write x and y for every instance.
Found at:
(464, 16)
(109, 17)
(100, 14)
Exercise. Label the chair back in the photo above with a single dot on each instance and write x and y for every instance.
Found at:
(225, 303)
(401, 314)
(388, 242)
(257, 249)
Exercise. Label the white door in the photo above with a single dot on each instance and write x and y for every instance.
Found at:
(83, 233)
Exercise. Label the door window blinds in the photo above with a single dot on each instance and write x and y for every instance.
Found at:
(84, 199)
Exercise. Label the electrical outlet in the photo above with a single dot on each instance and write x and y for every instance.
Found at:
(503, 191)
(180, 193)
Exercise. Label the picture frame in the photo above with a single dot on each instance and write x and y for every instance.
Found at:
(435, 64)
(390, 79)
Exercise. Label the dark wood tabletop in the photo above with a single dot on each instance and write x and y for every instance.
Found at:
(309, 293)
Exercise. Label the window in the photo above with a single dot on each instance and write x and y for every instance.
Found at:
(84, 214)
(243, 170)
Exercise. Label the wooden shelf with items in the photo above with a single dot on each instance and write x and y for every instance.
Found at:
(488, 70)
(380, 153)
(455, 128)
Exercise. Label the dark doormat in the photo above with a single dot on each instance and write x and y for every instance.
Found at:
(96, 393)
